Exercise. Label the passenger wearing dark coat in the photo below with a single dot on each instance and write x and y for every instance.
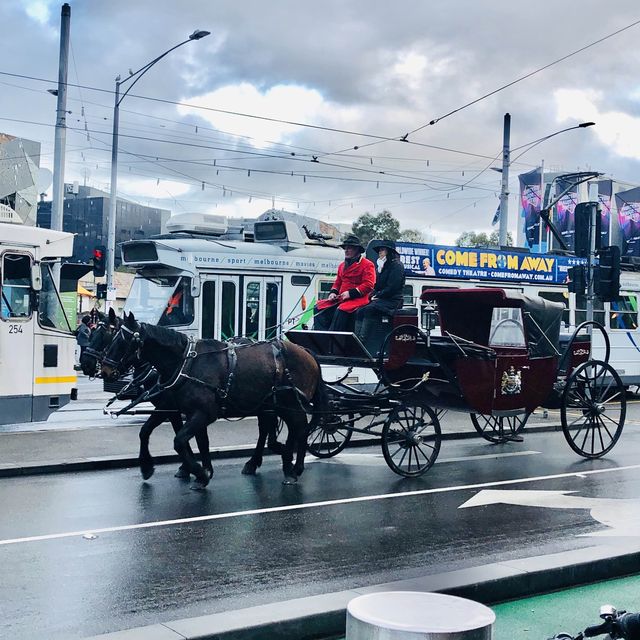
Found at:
(386, 297)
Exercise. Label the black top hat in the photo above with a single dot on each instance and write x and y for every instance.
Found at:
(385, 244)
(351, 240)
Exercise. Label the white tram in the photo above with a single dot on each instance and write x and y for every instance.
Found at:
(210, 283)
(37, 344)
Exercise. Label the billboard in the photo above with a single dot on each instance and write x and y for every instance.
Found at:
(464, 263)
(605, 200)
(628, 203)
(564, 218)
(530, 204)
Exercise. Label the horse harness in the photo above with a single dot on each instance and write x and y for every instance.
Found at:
(222, 392)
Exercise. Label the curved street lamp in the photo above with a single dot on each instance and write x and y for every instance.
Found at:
(506, 162)
(135, 76)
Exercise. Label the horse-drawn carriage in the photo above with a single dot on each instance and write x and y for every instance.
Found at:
(498, 356)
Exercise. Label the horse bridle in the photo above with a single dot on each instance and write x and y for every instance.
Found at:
(125, 361)
(94, 353)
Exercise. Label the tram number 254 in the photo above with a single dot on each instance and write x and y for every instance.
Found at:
(15, 328)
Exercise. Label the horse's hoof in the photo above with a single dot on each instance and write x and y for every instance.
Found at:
(197, 486)
(147, 472)
(249, 469)
(290, 480)
(181, 473)
(209, 472)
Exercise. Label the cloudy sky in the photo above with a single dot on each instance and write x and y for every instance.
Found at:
(303, 104)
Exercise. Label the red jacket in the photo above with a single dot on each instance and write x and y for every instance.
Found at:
(358, 279)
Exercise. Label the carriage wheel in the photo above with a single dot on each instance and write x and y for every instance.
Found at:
(499, 429)
(330, 436)
(593, 409)
(411, 440)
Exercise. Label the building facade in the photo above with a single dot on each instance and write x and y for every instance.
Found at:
(19, 167)
(86, 212)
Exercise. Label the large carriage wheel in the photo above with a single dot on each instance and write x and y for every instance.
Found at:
(330, 435)
(593, 409)
(499, 429)
(411, 440)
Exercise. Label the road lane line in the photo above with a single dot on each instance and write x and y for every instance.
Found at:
(312, 505)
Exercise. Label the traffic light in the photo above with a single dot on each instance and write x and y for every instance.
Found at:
(582, 234)
(607, 274)
(99, 261)
(101, 291)
(577, 282)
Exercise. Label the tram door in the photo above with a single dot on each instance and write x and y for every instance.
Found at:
(261, 308)
(16, 335)
(219, 301)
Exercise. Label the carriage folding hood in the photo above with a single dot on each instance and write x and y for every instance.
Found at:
(541, 317)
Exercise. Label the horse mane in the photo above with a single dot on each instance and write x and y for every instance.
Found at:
(165, 337)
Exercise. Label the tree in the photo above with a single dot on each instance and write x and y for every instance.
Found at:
(473, 239)
(411, 235)
(380, 225)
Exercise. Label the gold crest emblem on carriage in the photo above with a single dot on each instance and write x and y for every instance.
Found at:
(511, 382)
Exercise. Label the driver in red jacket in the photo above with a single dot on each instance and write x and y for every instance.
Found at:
(350, 291)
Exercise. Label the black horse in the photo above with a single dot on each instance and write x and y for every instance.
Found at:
(90, 360)
(212, 379)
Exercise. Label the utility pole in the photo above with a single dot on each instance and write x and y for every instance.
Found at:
(57, 204)
(504, 192)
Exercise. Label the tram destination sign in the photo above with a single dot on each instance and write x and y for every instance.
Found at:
(465, 263)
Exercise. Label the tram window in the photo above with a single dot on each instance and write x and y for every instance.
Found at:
(51, 313)
(407, 295)
(624, 313)
(208, 315)
(271, 311)
(324, 289)
(581, 309)
(179, 309)
(16, 286)
(300, 281)
(506, 328)
(562, 298)
(252, 308)
(228, 310)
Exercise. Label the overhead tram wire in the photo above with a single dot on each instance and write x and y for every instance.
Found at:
(254, 116)
(528, 75)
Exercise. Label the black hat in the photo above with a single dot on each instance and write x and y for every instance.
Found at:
(351, 240)
(385, 244)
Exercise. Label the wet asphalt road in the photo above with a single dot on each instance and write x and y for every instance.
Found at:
(154, 563)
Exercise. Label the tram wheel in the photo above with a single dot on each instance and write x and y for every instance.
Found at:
(499, 429)
(411, 440)
(593, 409)
(330, 436)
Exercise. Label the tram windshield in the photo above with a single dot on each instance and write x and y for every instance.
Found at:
(161, 299)
(51, 312)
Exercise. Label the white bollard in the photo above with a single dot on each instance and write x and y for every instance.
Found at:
(414, 615)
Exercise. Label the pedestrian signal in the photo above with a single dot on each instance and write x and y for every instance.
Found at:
(99, 261)
(101, 291)
(607, 274)
(577, 282)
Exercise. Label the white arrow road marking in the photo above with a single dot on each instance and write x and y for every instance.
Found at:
(316, 505)
(621, 516)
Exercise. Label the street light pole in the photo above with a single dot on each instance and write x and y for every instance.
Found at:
(504, 190)
(111, 227)
(506, 161)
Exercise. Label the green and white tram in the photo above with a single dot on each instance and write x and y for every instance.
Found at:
(37, 344)
(213, 286)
